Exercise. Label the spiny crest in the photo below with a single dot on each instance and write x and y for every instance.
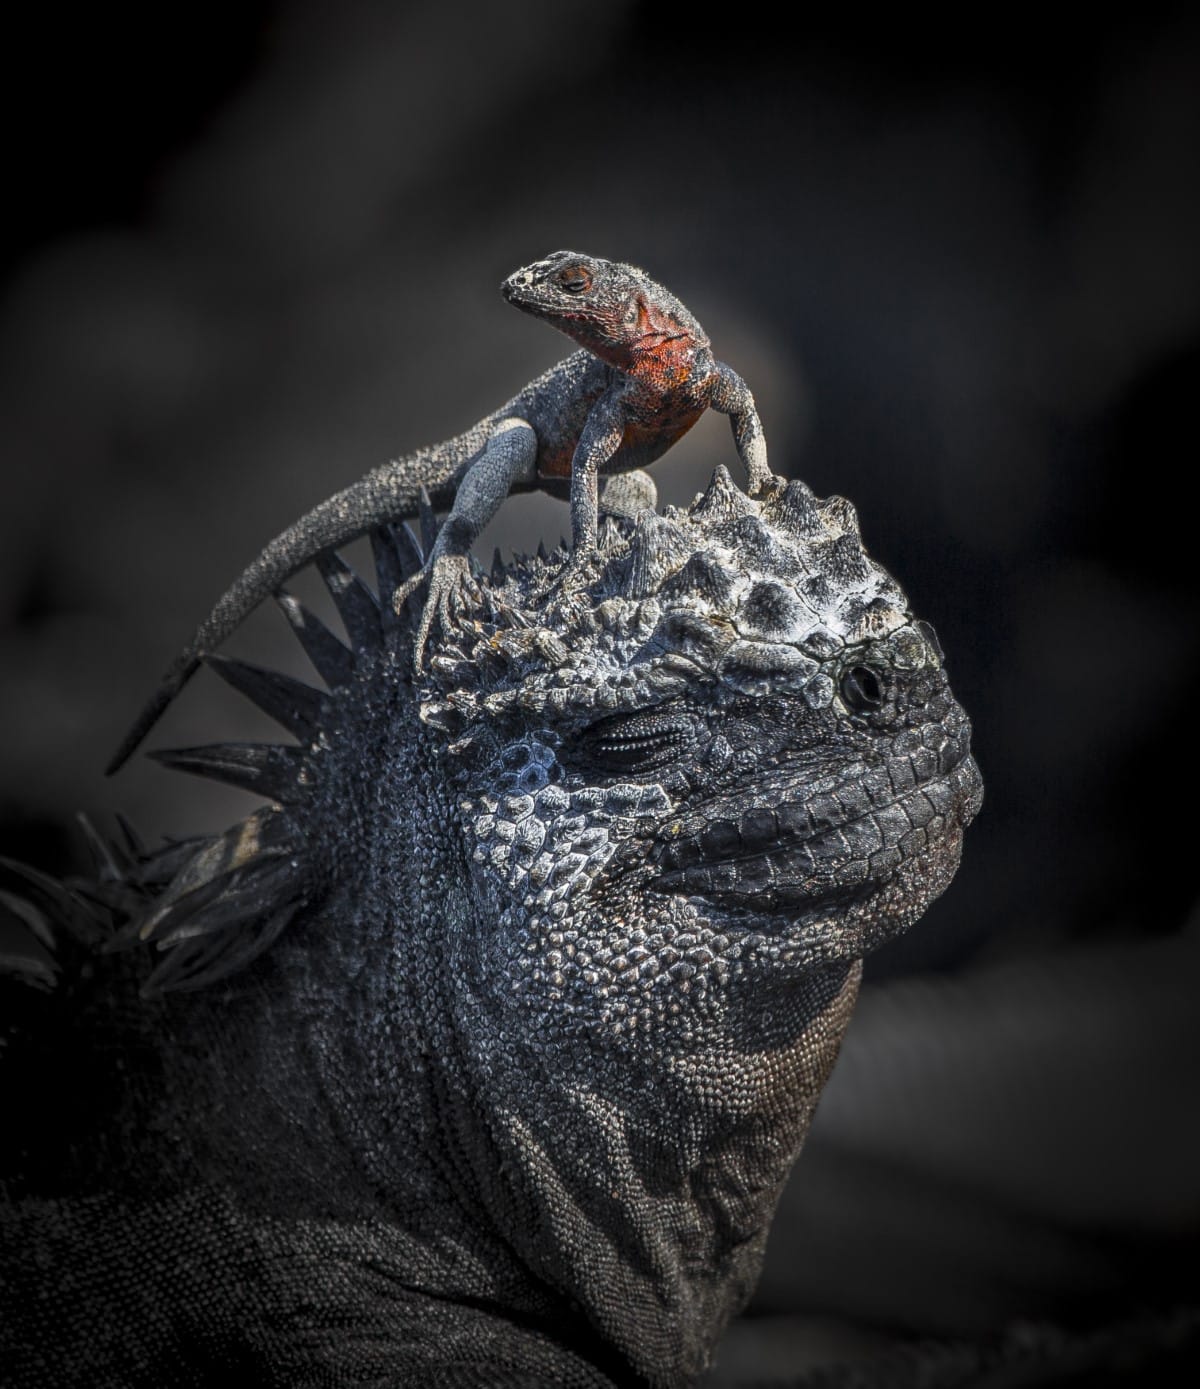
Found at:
(211, 906)
(66, 923)
(228, 901)
(733, 592)
(45, 919)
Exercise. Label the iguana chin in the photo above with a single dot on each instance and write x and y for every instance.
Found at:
(480, 1053)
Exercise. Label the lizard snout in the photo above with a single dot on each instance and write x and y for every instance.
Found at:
(518, 280)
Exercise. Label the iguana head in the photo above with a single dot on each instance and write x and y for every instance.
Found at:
(735, 759)
(614, 310)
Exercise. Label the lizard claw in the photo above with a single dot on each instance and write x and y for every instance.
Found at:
(443, 573)
(579, 569)
(761, 485)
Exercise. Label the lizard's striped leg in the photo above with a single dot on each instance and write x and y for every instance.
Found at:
(731, 396)
(508, 458)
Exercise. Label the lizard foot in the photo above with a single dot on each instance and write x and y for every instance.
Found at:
(761, 485)
(443, 572)
(582, 567)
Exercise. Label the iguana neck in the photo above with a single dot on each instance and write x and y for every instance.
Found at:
(642, 1192)
(620, 1195)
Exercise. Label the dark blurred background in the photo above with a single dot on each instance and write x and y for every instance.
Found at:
(252, 250)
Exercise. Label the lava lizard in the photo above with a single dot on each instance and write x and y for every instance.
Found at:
(643, 375)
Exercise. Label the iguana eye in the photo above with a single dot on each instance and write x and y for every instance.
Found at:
(635, 742)
(575, 279)
(861, 689)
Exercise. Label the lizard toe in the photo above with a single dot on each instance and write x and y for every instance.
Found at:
(445, 574)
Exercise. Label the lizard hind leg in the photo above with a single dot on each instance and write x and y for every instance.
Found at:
(508, 460)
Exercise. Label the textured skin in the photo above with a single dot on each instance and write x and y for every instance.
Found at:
(562, 941)
(644, 374)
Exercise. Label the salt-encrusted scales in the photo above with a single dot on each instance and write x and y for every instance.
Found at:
(750, 596)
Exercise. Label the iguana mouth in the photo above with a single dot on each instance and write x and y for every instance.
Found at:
(841, 844)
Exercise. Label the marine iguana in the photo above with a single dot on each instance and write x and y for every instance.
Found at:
(480, 1053)
(643, 375)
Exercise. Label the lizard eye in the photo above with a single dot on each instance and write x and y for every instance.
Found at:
(861, 689)
(575, 279)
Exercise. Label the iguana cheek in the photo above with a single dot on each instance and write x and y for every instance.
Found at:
(809, 850)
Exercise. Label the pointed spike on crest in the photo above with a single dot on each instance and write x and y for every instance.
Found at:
(202, 863)
(840, 518)
(499, 573)
(332, 659)
(134, 846)
(104, 862)
(428, 522)
(357, 606)
(658, 548)
(541, 552)
(409, 549)
(290, 702)
(248, 897)
(722, 501)
(194, 964)
(28, 970)
(61, 905)
(845, 562)
(795, 507)
(263, 769)
(30, 919)
(390, 570)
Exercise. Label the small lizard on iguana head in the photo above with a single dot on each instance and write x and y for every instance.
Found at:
(644, 374)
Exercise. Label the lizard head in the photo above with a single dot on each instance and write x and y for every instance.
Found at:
(734, 761)
(611, 309)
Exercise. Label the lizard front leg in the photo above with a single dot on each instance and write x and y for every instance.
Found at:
(601, 438)
(509, 457)
(731, 396)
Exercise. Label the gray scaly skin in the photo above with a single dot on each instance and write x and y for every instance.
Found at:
(644, 374)
(562, 942)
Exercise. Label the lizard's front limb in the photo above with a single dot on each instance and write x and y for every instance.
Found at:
(601, 438)
(731, 396)
(508, 458)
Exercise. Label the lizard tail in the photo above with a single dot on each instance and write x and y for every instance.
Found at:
(389, 493)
